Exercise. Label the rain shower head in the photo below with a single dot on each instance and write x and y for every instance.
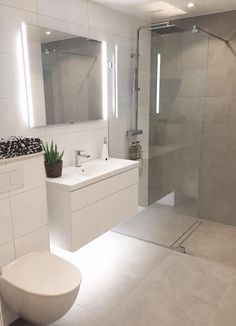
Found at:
(166, 29)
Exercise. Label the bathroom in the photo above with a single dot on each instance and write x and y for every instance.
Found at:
(165, 252)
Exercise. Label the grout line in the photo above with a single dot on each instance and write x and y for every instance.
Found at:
(18, 8)
(32, 231)
(12, 226)
(148, 241)
(24, 189)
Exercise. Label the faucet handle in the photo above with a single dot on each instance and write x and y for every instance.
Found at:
(78, 151)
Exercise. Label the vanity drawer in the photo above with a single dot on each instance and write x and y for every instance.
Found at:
(84, 226)
(84, 196)
(116, 208)
(117, 183)
(102, 189)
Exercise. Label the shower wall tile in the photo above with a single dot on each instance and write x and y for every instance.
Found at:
(220, 110)
(193, 83)
(221, 80)
(194, 52)
(219, 53)
(218, 173)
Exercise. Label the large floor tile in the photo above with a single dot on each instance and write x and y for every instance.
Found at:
(76, 316)
(225, 314)
(214, 241)
(112, 266)
(206, 279)
(155, 304)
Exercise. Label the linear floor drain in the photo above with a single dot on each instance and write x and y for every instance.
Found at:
(178, 243)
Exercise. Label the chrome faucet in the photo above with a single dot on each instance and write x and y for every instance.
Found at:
(78, 155)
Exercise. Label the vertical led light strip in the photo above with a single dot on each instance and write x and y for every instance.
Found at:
(116, 94)
(104, 80)
(27, 74)
(22, 85)
(158, 83)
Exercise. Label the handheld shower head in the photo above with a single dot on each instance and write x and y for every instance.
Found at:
(195, 29)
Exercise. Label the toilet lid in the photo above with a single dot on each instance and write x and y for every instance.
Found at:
(42, 273)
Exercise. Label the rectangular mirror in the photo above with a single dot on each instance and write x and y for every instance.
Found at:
(66, 77)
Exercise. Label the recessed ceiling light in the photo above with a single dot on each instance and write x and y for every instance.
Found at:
(48, 33)
(191, 5)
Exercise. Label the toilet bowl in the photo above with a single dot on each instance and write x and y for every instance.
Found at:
(40, 286)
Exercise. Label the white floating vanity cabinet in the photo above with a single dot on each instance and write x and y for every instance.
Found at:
(78, 216)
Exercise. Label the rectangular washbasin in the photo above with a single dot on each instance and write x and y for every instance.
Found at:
(92, 171)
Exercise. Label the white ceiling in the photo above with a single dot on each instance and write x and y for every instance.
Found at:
(161, 9)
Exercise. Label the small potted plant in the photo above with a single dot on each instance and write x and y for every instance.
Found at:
(52, 160)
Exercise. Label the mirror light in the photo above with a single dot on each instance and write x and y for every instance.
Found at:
(115, 83)
(158, 83)
(48, 33)
(104, 80)
(27, 74)
(22, 86)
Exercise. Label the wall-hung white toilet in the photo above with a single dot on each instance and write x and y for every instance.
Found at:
(40, 286)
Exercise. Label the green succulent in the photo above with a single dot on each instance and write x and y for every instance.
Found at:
(51, 153)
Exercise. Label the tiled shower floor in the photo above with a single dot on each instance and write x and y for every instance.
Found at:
(130, 282)
(159, 224)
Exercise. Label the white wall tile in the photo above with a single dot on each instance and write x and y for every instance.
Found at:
(33, 171)
(6, 253)
(34, 241)
(105, 19)
(22, 4)
(63, 26)
(75, 11)
(10, 108)
(97, 141)
(8, 82)
(29, 211)
(10, 20)
(5, 221)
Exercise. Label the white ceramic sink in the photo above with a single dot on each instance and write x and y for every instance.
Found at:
(92, 169)
(90, 172)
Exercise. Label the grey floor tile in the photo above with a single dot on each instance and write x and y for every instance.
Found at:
(112, 266)
(77, 316)
(157, 304)
(206, 279)
(159, 224)
(128, 282)
(214, 241)
(225, 314)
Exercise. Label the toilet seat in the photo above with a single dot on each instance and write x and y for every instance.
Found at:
(42, 273)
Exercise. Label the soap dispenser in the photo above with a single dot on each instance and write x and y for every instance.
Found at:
(105, 150)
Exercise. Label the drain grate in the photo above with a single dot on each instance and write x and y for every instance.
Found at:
(177, 245)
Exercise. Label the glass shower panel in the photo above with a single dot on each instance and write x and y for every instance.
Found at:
(178, 76)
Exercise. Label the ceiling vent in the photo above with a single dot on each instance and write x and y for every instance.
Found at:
(162, 9)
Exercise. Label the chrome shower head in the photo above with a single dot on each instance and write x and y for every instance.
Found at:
(165, 28)
(195, 29)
